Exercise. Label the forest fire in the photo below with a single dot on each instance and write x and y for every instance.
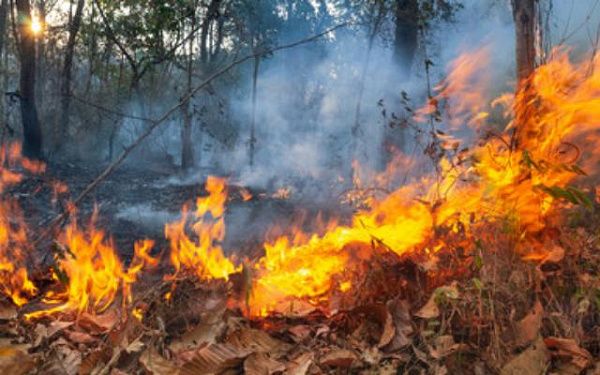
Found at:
(203, 256)
(14, 241)
(491, 181)
(91, 273)
(514, 175)
(300, 187)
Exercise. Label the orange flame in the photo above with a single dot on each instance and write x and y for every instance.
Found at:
(91, 273)
(203, 256)
(499, 180)
(508, 174)
(14, 242)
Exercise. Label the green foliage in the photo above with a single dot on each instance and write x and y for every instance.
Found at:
(435, 10)
(568, 193)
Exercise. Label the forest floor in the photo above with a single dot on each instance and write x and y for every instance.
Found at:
(476, 307)
(134, 204)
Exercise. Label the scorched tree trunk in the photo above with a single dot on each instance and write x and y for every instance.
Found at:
(32, 134)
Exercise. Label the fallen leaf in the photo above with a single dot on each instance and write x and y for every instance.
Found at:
(253, 340)
(300, 365)
(569, 351)
(8, 311)
(43, 332)
(94, 360)
(155, 364)
(322, 330)
(64, 360)
(371, 356)
(300, 332)
(422, 356)
(527, 330)
(212, 359)
(532, 361)
(201, 334)
(444, 346)
(431, 309)
(98, 324)
(261, 364)
(80, 337)
(15, 361)
(135, 346)
(389, 330)
(400, 310)
(338, 358)
(438, 369)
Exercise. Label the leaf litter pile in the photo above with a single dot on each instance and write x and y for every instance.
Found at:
(490, 264)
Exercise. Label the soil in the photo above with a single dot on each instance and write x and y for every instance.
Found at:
(133, 204)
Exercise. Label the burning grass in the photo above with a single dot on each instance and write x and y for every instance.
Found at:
(468, 262)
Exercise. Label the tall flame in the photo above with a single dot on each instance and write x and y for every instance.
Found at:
(14, 241)
(511, 173)
(204, 254)
(499, 180)
(91, 273)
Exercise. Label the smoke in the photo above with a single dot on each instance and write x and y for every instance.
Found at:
(307, 98)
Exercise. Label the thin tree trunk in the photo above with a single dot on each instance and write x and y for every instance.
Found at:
(32, 134)
(3, 66)
(406, 35)
(117, 124)
(187, 150)
(254, 104)
(211, 14)
(524, 14)
(41, 57)
(525, 18)
(5, 126)
(3, 22)
(65, 86)
(356, 130)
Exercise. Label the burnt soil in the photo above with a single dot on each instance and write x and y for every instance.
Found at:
(134, 204)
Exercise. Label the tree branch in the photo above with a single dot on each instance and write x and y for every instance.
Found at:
(157, 122)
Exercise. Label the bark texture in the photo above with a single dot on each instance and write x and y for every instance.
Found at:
(524, 14)
(67, 70)
(32, 134)
(406, 34)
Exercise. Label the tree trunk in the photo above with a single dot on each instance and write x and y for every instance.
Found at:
(187, 147)
(32, 134)
(524, 14)
(254, 103)
(41, 57)
(3, 28)
(65, 85)
(187, 151)
(212, 13)
(525, 18)
(3, 33)
(406, 35)
(377, 12)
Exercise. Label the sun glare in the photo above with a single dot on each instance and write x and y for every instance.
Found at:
(36, 25)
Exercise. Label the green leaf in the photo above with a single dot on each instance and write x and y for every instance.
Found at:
(529, 161)
(575, 168)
